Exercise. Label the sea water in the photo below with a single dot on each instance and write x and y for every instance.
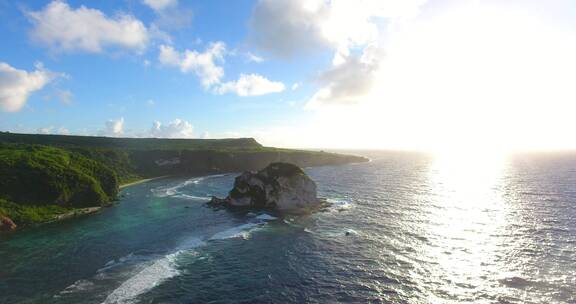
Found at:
(403, 228)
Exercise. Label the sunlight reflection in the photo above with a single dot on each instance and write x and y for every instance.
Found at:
(466, 212)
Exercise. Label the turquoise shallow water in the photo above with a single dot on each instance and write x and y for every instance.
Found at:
(404, 228)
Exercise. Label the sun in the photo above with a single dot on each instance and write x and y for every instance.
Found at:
(476, 78)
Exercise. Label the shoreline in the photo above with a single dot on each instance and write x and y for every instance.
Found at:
(141, 181)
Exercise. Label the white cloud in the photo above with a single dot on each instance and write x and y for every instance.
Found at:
(349, 81)
(254, 58)
(17, 85)
(114, 127)
(63, 131)
(202, 64)
(52, 130)
(66, 29)
(150, 102)
(177, 128)
(44, 131)
(170, 14)
(64, 96)
(159, 5)
(288, 27)
(206, 66)
(251, 85)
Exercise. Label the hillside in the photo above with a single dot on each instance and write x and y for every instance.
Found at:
(39, 183)
(42, 176)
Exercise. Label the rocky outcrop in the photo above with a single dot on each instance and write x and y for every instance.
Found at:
(6, 224)
(281, 187)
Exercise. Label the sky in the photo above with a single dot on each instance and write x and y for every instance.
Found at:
(353, 74)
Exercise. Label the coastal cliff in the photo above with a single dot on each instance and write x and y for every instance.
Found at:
(280, 187)
(48, 177)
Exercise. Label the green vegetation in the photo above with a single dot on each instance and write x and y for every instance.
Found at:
(44, 177)
(28, 215)
(38, 183)
(41, 175)
(90, 142)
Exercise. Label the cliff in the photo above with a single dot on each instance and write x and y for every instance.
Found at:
(43, 177)
(135, 158)
(280, 187)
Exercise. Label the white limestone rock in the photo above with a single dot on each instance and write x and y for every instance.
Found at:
(282, 187)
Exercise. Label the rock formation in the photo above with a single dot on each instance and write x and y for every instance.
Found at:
(281, 187)
(6, 224)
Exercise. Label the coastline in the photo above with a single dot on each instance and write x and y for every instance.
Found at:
(79, 212)
(141, 181)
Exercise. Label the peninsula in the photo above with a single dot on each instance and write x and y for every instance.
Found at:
(44, 178)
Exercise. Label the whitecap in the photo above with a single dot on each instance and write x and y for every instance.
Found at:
(350, 232)
(78, 286)
(242, 231)
(338, 204)
(192, 197)
(171, 191)
(266, 217)
(144, 280)
(151, 276)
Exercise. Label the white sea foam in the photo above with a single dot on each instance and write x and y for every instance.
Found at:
(80, 285)
(338, 204)
(173, 190)
(242, 231)
(159, 271)
(192, 197)
(165, 267)
(266, 217)
(145, 280)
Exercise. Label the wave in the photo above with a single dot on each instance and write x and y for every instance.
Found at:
(165, 268)
(143, 281)
(338, 205)
(168, 191)
(151, 276)
(266, 217)
(242, 231)
(173, 190)
(192, 197)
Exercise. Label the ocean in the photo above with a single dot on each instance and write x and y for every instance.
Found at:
(402, 228)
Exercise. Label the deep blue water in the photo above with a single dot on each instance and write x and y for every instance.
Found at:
(404, 228)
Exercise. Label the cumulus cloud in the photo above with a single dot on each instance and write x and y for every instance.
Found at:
(203, 64)
(113, 127)
(53, 130)
(66, 29)
(288, 27)
(170, 15)
(17, 85)
(177, 128)
(159, 5)
(63, 131)
(349, 81)
(254, 58)
(251, 85)
(206, 66)
(291, 27)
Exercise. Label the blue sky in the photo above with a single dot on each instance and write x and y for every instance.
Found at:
(294, 73)
(131, 83)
